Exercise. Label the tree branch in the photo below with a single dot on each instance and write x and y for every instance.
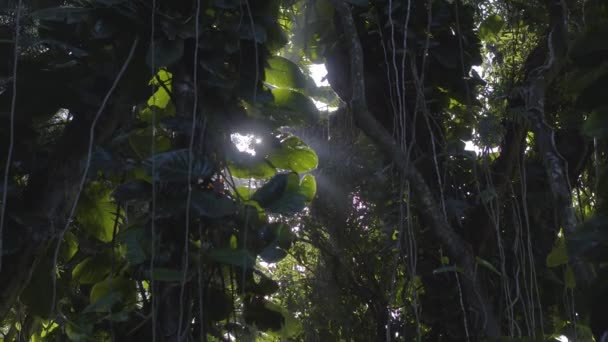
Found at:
(456, 246)
(533, 94)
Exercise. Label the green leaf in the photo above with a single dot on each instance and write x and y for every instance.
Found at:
(141, 142)
(294, 155)
(133, 238)
(281, 195)
(291, 108)
(308, 187)
(490, 28)
(133, 190)
(264, 318)
(106, 294)
(96, 213)
(290, 203)
(273, 254)
(69, 247)
(37, 295)
(160, 99)
(172, 166)
(244, 165)
(234, 242)
(596, 124)
(80, 332)
(212, 205)
(92, 269)
(235, 257)
(446, 269)
(558, 255)
(569, 278)
(244, 192)
(166, 52)
(487, 265)
(283, 73)
(272, 190)
(266, 286)
(291, 326)
(256, 169)
(104, 303)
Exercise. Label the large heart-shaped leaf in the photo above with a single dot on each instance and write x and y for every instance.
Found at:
(272, 190)
(212, 205)
(235, 257)
(283, 73)
(134, 240)
(106, 294)
(294, 155)
(490, 27)
(96, 213)
(291, 108)
(133, 190)
(308, 187)
(92, 269)
(281, 195)
(173, 166)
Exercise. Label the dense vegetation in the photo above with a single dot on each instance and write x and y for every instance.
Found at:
(167, 176)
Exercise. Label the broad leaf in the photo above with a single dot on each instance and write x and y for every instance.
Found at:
(558, 255)
(93, 269)
(273, 254)
(37, 295)
(255, 168)
(283, 73)
(135, 243)
(291, 108)
(212, 205)
(141, 142)
(96, 213)
(294, 155)
(490, 28)
(308, 187)
(173, 166)
(272, 190)
(596, 124)
(133, 190)
(235, 257)
(281, 194)
(106, 294)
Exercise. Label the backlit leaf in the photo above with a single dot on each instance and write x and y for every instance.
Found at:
(490, 27)
(294, 155)
(283, 73)
(96, 213)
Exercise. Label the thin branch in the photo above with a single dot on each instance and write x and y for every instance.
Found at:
(456, 246)
(85, 173)
(186, 249)
(11, 143)
(556, 166)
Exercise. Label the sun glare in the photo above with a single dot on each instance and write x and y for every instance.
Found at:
(244, 143)
(318, 72)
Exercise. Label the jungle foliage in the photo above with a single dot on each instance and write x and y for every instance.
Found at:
(168, 176)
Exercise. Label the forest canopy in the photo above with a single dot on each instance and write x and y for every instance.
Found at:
(303, 170)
